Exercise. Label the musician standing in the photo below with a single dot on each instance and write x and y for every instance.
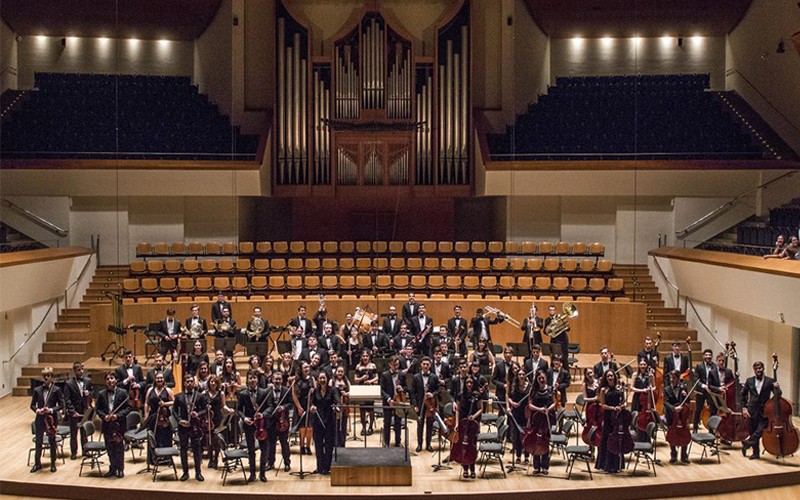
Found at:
(375, 341)
(342, 384)
(129, 375)
(756, 391)
(410, 308)
(226, 328)
(561, 340)
(366, 373)
(218, 306)
(254, 405)
(301, 321)
(392, 383)
(516, 400)
(195, 323)
(217, 405)
(535, 363)
(470, 406)
(480, 325)
(643, 385)
(169, 329)
(441, 368)
(156, 414)
(78, 393)
(457, 330)
(112, 409)
(500, 373)
(559, 379)
(329, 341)
(169, 378)
(283, 403)
(421, 328)
(674, 396)
(532, 328)
(300, 392)
(391, 325)
(251, 331)
(648, 354)
(322, 409)
(542, 401)
(46, 403)
(708, 376)
(604, 364)
(612, 399)
(402, 339)
(190, 405)
(425, 385)
(676, 360)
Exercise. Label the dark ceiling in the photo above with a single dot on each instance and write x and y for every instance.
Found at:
(645, 18)
(143, 19)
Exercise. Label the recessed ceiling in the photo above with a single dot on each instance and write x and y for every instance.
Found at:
(143, 19)
(645, 18)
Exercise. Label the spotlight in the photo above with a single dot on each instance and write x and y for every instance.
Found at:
(781, 47)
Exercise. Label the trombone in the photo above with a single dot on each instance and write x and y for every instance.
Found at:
(498, 312)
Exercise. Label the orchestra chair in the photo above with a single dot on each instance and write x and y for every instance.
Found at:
(491, 419)
(494, 449)
(559, 440)
(92, 450)
(575, 415)
(708, 439)
(46, 443)
(572, 360)
(646, 449)
(161, 456)
(231, 458)
(133, 437)
(581, 452)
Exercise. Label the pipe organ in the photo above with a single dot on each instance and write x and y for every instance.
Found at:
(372, 111)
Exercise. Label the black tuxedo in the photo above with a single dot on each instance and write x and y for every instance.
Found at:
(202, 321)
(216, 310)
(409, 311)
(542, 365)
(75, 403)
(417, 325)
(282, 398)
(669, 365)
(389, 329)
(562, 340)
(650, 356)
(257, 338)
(673, 397)
(168, 344)
(247, 407)
(459, 329)
(562, 381)
(308, 328)
(499, 378)
(335, 343)
(710, 378)
(319, 324)
(169, 378)
(305, 355)
(390, 418)
(397, 343)
(443, 372)
(418, 390)
(122, 373)
(46, 397)
(408, 365)
(599, 371)
(754, 401)
(381, 342)
(184, 405)
(477, 324)
(529, 335)
(116, 402)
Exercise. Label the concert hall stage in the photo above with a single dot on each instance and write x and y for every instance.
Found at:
(735, 473)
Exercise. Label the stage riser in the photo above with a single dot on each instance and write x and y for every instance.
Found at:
(371, 476)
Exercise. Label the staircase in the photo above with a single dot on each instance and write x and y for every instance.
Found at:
(68, 341)
(670, 322)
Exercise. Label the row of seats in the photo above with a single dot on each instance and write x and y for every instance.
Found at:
(381, 297)
(162, 249)
(243, 265)
(366, 283)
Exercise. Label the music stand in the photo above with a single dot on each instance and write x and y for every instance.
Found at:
(226, 344)
(443, 431)
(521, 349)
(115, 348)
(256, 349)
(153, 339)
(284, 346)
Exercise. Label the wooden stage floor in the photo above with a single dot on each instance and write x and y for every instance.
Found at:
(734, 474)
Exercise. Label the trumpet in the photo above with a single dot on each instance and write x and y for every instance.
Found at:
(498, 312)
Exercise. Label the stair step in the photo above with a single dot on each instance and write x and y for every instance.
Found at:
(20, 391)
(59, 368)
(667, 323)
(73, 323)
(76, 312)
(67, 336)
(61, 357)
(73, 346)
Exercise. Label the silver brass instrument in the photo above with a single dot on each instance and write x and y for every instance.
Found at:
(498, 312)
(195, 332)
(559, 323)
(256, 328)
(223, 327)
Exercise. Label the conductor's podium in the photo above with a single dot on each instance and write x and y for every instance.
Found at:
(358, 466)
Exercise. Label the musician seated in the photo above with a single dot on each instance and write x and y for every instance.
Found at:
(604, 364)
(197, 326)
(160, 368)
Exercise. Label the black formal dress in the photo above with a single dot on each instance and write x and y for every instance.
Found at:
(161, 428)
(606, 460)
(323, 421)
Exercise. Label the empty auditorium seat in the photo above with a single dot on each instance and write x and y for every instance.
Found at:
(483, 265)
(445, 247)
(312, 283)
(196, 248)
(478, 247)
(347, 247)
(178, 248)
(208, 266)
(186, 285)
(277, 265)
(597, 285)
(586, 265)
(418, 282)
(495, 247)
(560, 284)
(413, 264)
(246, 247)
(529, 247)
(261, 265)
(161, 249)
(313, 247)
(517, 264)
(363, 247)
(471, 283)
(489, 283)
(604, 265)
(380, 247)
(380, 264)
(507, 283)
(172, 266)
(264, 247)
(579, 248)
(615, 285)
(569, 265)
(280, 247)
(294, 282)
(383, 282)
(461, 247)
(226, 265)
(330, 247)
(222, 283)
(535, 264)
(130, 285)
(431, 264)
(230, 248)
(466, 264)
(312, 265)
(542, 284)
(578, 284)
(294, 265)
(545, 247)
(258, 283)
(500, 264)
(191, 266)
(597, 249)
(562, 248)
(155, 267)
(138, 267)
(412, 246)
(330, 283)
(149, 285)
(243, 265)
(363, 282)
(347, 282)
(144, 249)
(428, 247)
(239, 284)
(400, 282)
(436, 282)
(512, 247)
(525, 283)
(213, 248)
(551, 265)
(452, 282)
(275, 282)
(397, 264)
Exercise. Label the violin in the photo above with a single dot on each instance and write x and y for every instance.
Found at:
(163, 417)
(780, 438)
(260, 422)
(114, 427)
(678, 433)
(465, 449)
(50, 426)
(734, 425)
(620, 441)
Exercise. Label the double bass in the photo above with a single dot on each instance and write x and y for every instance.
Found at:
(780, 438)
(734, 426)
(658, 375)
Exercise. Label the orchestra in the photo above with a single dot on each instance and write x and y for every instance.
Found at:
(307, 393)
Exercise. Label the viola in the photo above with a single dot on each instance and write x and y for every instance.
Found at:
(282, 422)
(620, 441)
(465, 449)
(594, 419)
(734, 425)
(450, 422)
(431, 406)
(50, 426)
(536, 440)
(780, 438)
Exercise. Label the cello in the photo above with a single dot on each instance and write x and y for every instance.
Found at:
(536, 440)
(594, 419)
(678, 434)
(658, 375)
(780, 438)
(465, 449)
(648, 410)
(734, 426)
(620, 441)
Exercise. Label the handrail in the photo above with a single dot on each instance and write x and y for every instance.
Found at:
(714, 213)
(55, 302)
(775, 109)
(669, 282)
(37, 219)
(688, 301)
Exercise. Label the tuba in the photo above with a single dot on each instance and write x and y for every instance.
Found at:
(256, 328)
(559, 323)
